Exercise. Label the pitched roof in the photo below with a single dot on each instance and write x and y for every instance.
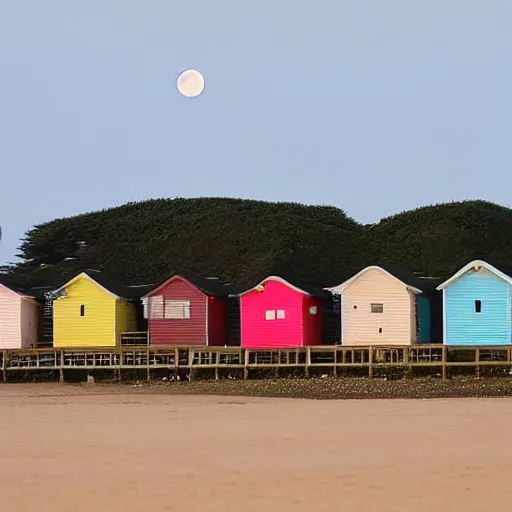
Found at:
(315, 291)
(212, 286)
(475, 265)
(414, 282)
(26, 293)
(110, 284)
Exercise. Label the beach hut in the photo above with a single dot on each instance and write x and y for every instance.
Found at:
(477, 306)
(382, 305)
(187, 311)
(19, 315)
(93, 310)
(277, 314)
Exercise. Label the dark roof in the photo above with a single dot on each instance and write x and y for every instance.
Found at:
(117, 288)
(12, 288)
(212, 286)
(424, 283)
(138, 291)
(38, 292)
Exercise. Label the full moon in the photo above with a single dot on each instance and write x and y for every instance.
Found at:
(190, 83)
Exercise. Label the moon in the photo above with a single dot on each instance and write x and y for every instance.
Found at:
(190, 83)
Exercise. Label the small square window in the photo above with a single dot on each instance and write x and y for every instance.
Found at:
(270, 314)
(478, 306)
(280, 314)
(82, 310)
(313, 310)
(377, 308)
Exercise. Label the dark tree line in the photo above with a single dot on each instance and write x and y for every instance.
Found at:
(242, 240)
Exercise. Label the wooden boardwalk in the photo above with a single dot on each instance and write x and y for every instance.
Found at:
(194, 361)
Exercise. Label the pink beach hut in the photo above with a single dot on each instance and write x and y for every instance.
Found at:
(278, 314)
(19, 316)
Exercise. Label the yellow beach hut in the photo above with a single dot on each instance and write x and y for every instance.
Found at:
(92, 310)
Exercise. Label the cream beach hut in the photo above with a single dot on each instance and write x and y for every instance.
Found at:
(385, 306)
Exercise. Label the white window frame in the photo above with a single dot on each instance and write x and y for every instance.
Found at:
(280, 314)
(177, 309)
(313, 310)
(156, 307)
(270, 314)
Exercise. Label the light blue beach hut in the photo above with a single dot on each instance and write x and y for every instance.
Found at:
(477, 306)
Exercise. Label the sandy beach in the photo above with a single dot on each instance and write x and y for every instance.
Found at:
(84, 448)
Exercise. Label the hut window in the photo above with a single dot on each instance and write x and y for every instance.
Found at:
(377, 308)
(82, 310)
(313, 310)
(270, 314)
(156, 307)
(280, 314)
(177, 309)
(380, 330)
(478, 306)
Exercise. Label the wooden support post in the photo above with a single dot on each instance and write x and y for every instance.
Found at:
(5, 356)
(191, 364)
(443, 359)
(246, 364)
(335, 367)
(148, 367)
(407, 358)
(477, 360)
(308, 360)
(120, 362)
(370, 362)
(61, 366)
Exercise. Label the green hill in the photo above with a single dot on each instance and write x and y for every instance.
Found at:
(241, 240)
(235, 239)
(440, 239)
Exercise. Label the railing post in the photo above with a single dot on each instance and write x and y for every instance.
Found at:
(308, 360)
(5, 356)
(443, 359)
(191, 363)
(246, 363)
(61, 365)
(370, 362)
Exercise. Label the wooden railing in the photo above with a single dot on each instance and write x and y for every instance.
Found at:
(333, 360)
(138, 338)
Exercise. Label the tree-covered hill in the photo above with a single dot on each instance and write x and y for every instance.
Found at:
(234, 239)
(440, 239)
(243, 240)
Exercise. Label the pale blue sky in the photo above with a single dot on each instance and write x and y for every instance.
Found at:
(373, 106)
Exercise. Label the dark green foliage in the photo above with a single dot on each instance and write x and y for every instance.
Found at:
(438, 240)
(241, 240)
(238, 240)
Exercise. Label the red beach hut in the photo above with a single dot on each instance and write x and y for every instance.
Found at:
(187, 311)
(278, 314)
